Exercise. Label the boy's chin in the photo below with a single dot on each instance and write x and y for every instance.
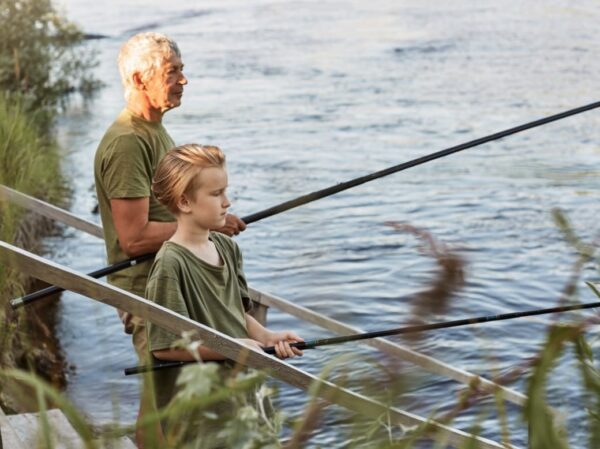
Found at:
(221, 223)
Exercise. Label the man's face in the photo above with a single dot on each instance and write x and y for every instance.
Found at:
(165, 89)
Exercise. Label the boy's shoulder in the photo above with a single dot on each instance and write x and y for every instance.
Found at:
(226, 242)
(168, 260)
(222, 239)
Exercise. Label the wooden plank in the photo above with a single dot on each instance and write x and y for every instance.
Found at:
(428, 363)
(49, 211)
(66, 278)
(64, 436)
(27, 426)
(9, 438)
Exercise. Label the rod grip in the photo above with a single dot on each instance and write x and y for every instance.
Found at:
(300, 345)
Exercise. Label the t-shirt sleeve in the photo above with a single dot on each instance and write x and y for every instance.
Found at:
(126, 168)
(163, 289)
(241, 277)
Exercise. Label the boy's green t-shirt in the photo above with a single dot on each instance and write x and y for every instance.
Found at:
(124, 165)
(211, 295)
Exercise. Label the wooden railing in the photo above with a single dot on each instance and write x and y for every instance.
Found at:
(259, 298)
(68, 279)
(49, 211)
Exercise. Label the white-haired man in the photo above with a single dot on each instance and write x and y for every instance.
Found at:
(134, 222)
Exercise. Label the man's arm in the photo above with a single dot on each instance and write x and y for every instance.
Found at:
(139, 236)
(136, 234)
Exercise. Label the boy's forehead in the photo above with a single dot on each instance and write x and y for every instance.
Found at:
(212, 176)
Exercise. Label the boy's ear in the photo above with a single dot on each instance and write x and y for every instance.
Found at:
(183, 204)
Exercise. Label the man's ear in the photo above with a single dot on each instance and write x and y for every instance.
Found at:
(183, 204)
(137, 81)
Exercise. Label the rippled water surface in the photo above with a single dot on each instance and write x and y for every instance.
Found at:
(302, 95)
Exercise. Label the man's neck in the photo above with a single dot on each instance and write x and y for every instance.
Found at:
(141, 107)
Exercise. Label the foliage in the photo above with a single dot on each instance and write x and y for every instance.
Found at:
(30, 164)
(41, 60)
(41, 54)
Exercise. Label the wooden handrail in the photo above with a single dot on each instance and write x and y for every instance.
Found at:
(66, 278)
(426, 362)
(49, 211)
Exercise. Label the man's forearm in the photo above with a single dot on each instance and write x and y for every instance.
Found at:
(149, 239)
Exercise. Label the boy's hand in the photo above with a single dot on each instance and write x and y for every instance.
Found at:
(281, 342)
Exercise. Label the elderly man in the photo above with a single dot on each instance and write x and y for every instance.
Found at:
(134, 222)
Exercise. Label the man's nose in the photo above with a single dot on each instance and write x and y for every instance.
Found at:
(183, 80)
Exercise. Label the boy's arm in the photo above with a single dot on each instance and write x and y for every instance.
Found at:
(206, 354)
(183, 355)
(280, 340)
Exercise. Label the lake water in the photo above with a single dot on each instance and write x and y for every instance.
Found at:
(302, 95)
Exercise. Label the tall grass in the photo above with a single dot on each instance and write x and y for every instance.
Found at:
(41, 62)
(29, 163)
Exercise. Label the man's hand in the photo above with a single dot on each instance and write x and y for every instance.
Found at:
(233, 226)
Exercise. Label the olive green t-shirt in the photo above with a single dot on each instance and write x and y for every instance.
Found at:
(216, 296)
(124, 165)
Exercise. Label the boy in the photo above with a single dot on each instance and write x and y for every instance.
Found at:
(198, 273)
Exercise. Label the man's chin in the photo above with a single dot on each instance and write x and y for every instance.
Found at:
(174, 104)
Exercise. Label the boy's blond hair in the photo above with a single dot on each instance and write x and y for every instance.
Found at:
(177, 173)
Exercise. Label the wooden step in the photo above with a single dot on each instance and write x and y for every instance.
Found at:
(8, 436)
(26, 429)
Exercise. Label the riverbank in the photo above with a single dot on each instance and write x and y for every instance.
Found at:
(30, 164)
(42, 61)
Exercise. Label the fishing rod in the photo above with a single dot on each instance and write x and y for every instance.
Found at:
(27, 299)
(316, 195)
(311, 344)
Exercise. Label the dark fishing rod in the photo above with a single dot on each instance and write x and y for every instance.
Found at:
(27, 299)
(310, 197)
(311, 344)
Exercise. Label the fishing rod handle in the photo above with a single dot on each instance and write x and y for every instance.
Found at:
(301, 345)
(147, 368)
(176, 364)
(52, 290)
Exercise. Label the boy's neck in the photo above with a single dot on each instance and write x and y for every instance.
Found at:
(186, 235)
(196, 240)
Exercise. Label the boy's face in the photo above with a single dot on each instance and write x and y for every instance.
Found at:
(209, 203)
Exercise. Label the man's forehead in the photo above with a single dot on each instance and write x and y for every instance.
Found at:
(172, 61)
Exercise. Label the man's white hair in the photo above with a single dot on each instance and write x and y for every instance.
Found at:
(143, 54)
